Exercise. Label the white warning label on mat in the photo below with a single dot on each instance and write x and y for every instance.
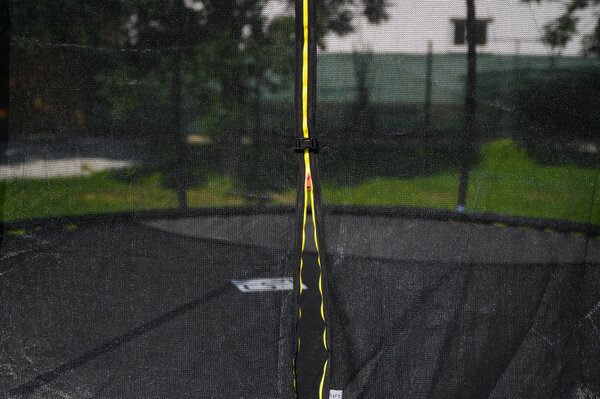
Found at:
(335, 394)
(265, 284)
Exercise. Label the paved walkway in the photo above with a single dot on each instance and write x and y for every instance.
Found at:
(68, 157)
(45, 169)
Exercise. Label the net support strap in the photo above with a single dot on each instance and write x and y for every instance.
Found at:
(309, 206)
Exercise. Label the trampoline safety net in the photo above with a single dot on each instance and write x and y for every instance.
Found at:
(300, 199)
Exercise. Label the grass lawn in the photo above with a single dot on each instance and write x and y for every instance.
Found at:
(102, 192)
(506, 181)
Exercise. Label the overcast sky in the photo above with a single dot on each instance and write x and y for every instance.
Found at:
(516, 27)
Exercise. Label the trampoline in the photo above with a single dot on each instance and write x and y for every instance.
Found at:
(166, 235)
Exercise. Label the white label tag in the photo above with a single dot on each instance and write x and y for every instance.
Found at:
(335, 394)
(265, 284)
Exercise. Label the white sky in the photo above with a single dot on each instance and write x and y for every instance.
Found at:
(516, 27)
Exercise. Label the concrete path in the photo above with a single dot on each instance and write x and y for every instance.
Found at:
(45, 169)
(68, 157)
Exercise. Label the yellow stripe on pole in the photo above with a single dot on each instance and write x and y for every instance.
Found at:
(323, 380)
(305, 70)
(308, 189)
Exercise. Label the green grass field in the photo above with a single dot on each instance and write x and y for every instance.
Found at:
(103, 192)
(506, 181)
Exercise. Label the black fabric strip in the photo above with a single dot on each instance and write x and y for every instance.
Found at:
(300, 181)
(320, 222)
(358, 210)
(298, 71)
(310, 358)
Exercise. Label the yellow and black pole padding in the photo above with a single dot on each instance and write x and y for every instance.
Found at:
(312, 357)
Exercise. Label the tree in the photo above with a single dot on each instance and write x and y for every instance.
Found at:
(141, 58)
(226, 43)
(560, 32)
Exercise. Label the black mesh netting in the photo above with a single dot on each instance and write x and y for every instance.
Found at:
(149, 198)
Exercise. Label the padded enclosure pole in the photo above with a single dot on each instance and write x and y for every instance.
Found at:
(312, 357)
(470, 105)
(4, 97)
(180, 159)
(428, 85)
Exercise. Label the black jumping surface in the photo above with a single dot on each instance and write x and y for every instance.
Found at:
(124, 310)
